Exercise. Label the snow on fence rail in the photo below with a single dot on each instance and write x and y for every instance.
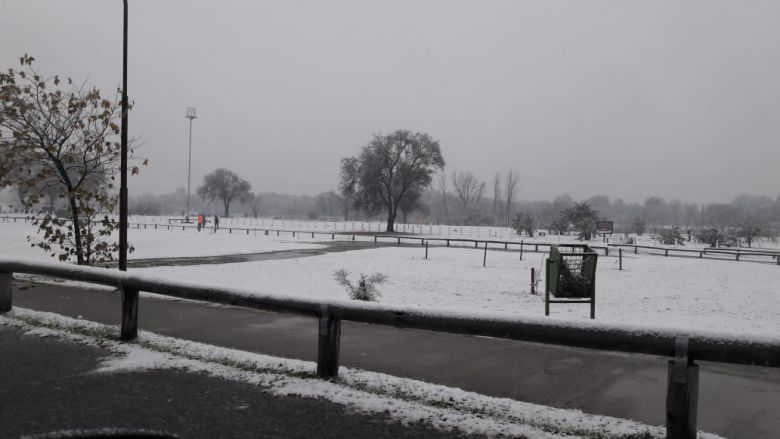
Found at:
(682, 386)
(737, 253)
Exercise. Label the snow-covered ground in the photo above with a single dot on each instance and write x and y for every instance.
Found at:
(670, 292)
(678, 293)
(150, 243)
(425, 230)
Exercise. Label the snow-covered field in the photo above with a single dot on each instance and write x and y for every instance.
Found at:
(150, 243)
(423, 230)
(678, 293)
(671, 292)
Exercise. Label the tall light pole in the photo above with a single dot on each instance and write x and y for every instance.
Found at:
(123, 163)
(190, 115)
(129, 328)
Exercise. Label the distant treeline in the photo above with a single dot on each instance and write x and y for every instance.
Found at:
(437, 207)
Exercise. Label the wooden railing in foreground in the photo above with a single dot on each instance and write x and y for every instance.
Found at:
(684, 348)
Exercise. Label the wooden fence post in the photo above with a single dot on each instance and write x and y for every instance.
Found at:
(533, 280)
(484, 257)
(681, 394)
(547, 287)
(6, 289)
(328, 347)
(426, 249)
(129, 329)
(620, 256)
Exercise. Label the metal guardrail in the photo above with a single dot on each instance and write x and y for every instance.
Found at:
(684, 348)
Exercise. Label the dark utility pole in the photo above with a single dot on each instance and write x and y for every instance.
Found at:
(123, 166)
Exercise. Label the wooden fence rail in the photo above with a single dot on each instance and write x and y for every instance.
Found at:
(737, 253)
(682, 347)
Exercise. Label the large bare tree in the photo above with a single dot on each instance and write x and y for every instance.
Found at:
(389, 169)
(512, 179)
(227, 186)
(468, 189)
(443, 189)
(497, 211)
(60, 138)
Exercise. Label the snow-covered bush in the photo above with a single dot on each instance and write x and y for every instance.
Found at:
(366, 289)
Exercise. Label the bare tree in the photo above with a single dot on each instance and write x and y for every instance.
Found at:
(256, 204)
(468, 189)
(390, 168)
(639, 226)
(512, 178)
(497, 211)
(749, 230)
(227, 186)
(443, 189)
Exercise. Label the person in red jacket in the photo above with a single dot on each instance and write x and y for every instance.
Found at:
(200, 221)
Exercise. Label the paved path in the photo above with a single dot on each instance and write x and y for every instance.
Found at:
(735, 401)
(328, 247)
(39, 395)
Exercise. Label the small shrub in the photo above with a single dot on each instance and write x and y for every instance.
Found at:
(366, 289)
(671, 236)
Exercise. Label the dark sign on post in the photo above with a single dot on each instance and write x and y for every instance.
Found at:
(604, 227)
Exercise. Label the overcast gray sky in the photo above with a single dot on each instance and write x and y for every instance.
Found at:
(679, 99)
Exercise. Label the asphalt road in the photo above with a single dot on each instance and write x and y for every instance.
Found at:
(734, 401)
(48, 385)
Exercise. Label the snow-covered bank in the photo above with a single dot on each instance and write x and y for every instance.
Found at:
(407, 400)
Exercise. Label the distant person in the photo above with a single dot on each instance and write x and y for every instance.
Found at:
(216, 223)
(200, 221)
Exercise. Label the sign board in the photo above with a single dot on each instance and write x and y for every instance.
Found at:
(604, 227)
